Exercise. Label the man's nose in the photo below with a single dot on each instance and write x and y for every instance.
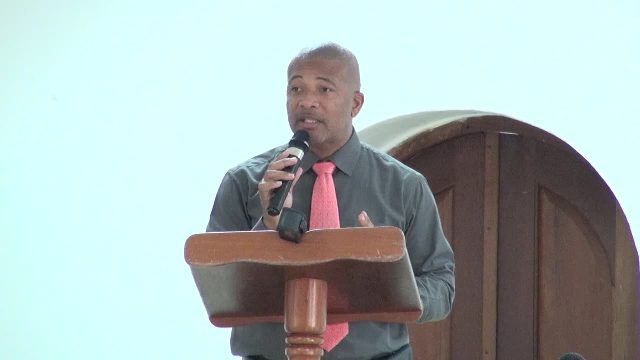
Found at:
(308, 100)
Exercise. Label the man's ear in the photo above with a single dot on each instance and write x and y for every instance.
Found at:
(358, 101)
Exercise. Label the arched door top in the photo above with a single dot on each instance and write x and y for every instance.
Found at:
(405, 135)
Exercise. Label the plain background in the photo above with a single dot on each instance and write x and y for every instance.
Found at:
(118, 120)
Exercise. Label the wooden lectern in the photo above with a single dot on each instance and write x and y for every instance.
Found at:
(332, 276)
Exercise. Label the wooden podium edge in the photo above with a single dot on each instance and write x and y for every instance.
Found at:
(223, 321)
(317, 246)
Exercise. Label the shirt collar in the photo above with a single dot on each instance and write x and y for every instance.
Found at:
(345, 158)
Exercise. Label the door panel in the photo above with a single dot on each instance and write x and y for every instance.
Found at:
(557, 242)
(516, 321)
(454, 170)
(574, 283)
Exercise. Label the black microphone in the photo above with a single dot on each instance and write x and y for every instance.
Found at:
(298, 145)
(571, 356)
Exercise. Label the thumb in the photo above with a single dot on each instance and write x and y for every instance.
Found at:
(364, 220)
(296, 178)
(289, 197)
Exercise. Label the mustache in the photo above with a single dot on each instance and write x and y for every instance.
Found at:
(300, 116)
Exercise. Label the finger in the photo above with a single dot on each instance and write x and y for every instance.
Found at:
(265, 188)
(296, 177)
(364, 220)
(283, 154)
(282, 161)
(289, 199)
(277, 175)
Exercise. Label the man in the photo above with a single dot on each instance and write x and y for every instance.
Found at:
(323, 97)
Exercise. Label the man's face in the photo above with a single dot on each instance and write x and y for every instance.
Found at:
(322, 100)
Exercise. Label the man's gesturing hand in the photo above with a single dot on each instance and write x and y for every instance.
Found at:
(364, 220)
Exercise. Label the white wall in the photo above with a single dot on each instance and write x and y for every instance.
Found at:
(118, 120)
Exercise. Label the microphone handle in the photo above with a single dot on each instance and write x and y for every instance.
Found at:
(280, 194)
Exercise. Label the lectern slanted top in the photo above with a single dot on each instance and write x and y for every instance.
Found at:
(242, 276)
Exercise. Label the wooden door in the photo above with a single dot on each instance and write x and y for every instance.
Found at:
(545, 263)
(457, 174)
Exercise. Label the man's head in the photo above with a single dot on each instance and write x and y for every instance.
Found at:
(323, 96)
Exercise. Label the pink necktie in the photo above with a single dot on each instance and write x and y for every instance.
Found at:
(324, 214)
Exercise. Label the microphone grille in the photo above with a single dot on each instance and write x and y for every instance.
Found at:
(301, 135)
(300, 140)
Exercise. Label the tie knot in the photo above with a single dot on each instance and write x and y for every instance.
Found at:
(324, 167)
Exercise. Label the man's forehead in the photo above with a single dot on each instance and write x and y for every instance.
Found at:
(319, 67)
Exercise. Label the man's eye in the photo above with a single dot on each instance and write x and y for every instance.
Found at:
(294, 89)
(326, 89)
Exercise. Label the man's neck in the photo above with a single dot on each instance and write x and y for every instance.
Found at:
(324, 153)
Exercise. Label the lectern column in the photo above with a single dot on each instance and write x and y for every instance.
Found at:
(305, 318)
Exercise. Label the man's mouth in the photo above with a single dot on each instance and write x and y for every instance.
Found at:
(307, 118)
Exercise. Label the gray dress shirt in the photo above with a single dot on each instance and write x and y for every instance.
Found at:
(365, 179)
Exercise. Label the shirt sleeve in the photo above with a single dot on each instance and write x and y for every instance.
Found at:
(429, 251)
(229, 212)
